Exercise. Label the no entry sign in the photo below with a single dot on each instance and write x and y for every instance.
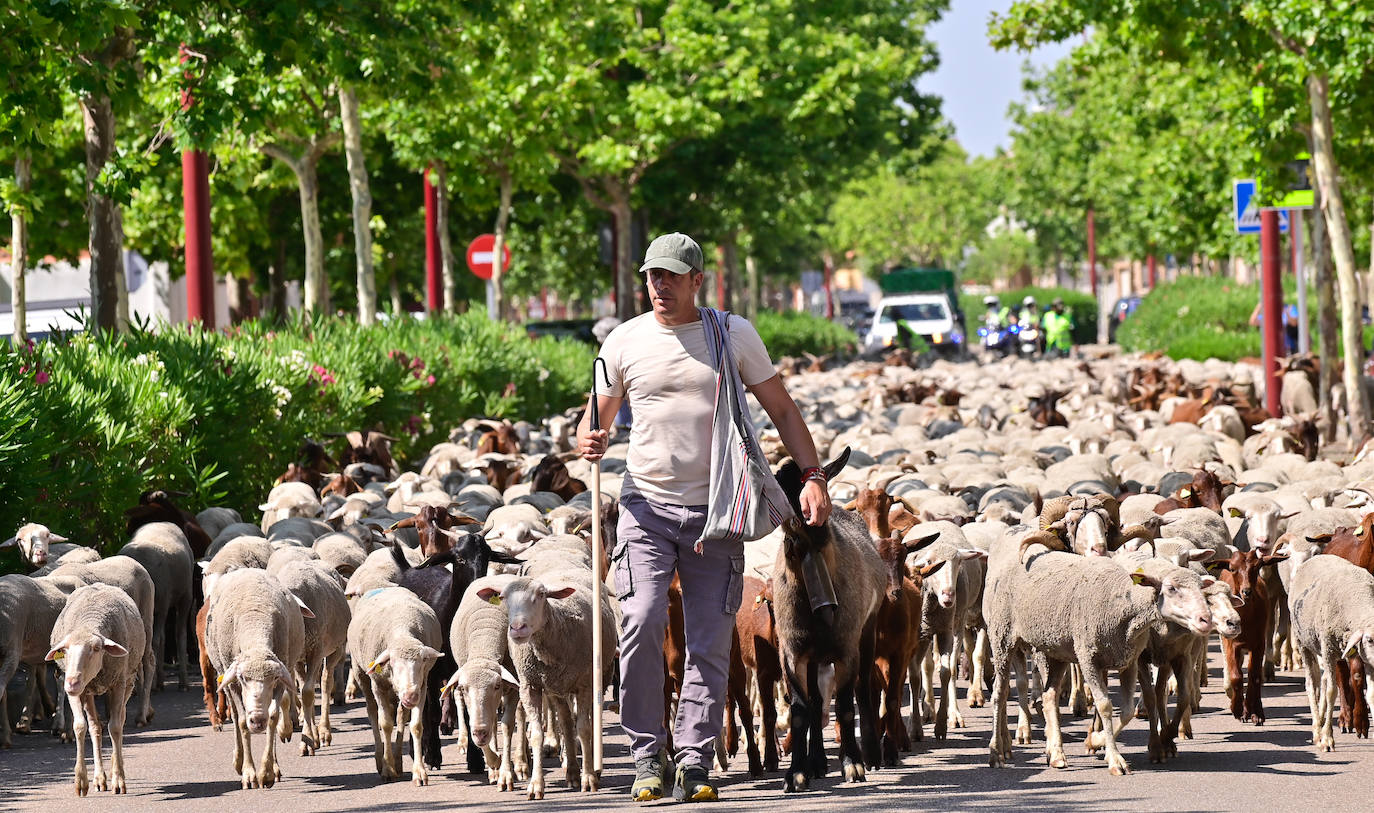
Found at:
(480, 256)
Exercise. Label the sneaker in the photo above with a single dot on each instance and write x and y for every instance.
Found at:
(693, 784)
(653, 777)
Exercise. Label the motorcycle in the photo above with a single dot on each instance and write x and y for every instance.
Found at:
(992, 338)
(1028, 341)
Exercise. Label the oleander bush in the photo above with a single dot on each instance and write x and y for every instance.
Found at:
(90, 421)
(1200, 318)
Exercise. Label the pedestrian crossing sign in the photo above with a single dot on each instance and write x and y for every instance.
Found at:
(1246, 210)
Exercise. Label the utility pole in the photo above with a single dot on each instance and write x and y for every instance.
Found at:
(1271, 298)
(433, 282)
(195, 204)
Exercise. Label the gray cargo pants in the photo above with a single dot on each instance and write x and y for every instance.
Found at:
(653, 541)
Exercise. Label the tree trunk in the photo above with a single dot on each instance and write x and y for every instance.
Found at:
(729, 268)
(498, 246)
(19, 249)
(106, 231)
(1328, 331)
(362, 205)
(752, 303)
(625, 306)
(446, 265)
(1338, 229)
(305, 167)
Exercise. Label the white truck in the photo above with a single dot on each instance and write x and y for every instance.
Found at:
(928, 315)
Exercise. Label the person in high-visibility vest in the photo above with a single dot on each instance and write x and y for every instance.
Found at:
(1058, 325)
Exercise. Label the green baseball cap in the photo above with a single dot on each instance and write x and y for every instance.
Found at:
(674, 252)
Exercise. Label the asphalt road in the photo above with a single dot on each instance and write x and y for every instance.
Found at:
(179, 764)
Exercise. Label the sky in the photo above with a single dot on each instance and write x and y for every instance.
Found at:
(976, 82)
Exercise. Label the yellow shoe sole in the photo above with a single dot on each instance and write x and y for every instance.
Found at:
(648, 795)
(706, 794)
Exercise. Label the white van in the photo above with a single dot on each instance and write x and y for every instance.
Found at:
(928, 315)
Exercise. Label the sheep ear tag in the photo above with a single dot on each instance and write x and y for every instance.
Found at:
(1359, 531)
(376, 668)
(219, 681)
(1235, 512)
(1184, 492)
(1138, 577)
(494, 601)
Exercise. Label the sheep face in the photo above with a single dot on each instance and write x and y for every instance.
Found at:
(33, 541)
(1262, 517)
(483, 689)
(407, 671)
(939, 567)
(81, 657)
(1361, 642)
(1180, 599)
(259, 681)
(1224, 616)
(1088, 530)
(527, 605)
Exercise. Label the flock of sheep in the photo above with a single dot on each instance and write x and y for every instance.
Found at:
(1105, 520)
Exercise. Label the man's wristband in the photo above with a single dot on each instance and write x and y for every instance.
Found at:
(813, 473)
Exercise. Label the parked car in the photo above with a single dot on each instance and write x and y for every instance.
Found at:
(929, 316)
(580, 329)
(1123, 308)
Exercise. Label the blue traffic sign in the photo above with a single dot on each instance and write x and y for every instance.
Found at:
(1246, 211)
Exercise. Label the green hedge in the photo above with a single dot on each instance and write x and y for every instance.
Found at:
(1202, 317)
(91, 421)
(794, 332)
(1081, 306)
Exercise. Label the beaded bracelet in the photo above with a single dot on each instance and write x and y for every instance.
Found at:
(813, 473)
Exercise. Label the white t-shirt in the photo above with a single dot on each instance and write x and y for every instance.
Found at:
(666, 372)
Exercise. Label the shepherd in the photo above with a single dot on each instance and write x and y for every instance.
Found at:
(664, 363)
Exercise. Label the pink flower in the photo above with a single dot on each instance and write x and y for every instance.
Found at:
(429, 381)
(417, 364)
(41, 377)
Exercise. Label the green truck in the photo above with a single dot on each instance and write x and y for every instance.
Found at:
(919, 301)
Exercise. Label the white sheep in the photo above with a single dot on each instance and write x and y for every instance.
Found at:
(289, 500)
(1332, 606)
(549, 630)
(246, 551)
(45, 550)
(164, 552)
(130, 576)
(394, 640)
(28, 609)
(255, 633)
(98, 642)
(316, 585)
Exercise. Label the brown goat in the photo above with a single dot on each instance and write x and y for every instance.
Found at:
(899, 635)
(501, 474)
(1355, 545)
(500, 439)
(431, 523)
(368, 447)
(1043, 410)
(1242, 574)
(1205, 491)
(551, 474)
(874, 505)
(758, 648)
(216, 705)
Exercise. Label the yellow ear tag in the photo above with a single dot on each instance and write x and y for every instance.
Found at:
(1235, 512)
(494, 601)
(219, 681)
(375, 668)
(1185, 492)
(1139, 576)
(1359, 531)
(59, 657)
(1350, 650)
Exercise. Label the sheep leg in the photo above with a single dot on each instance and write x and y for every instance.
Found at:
(591, 778)
(419, 774)
(1023, 703)
(915, 725)
(1254, 692)
(83, 783)
(1187, 690)
(394, 721)
(505, 776)
(1327, 702)
(521, 755)
(119, 701)
(159, 642)
(948, 715)
(310, 734)
(1077, 701)
(1095, 680)
(278, 713)
(532, 699)
(1314, 689)
(379, 748)
(976, 698)
(329, 685)
(999, 747)
(1054, 736)
(102, 781)
(567, 736)
(7, 669)
(183, 613)
(932, 654)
